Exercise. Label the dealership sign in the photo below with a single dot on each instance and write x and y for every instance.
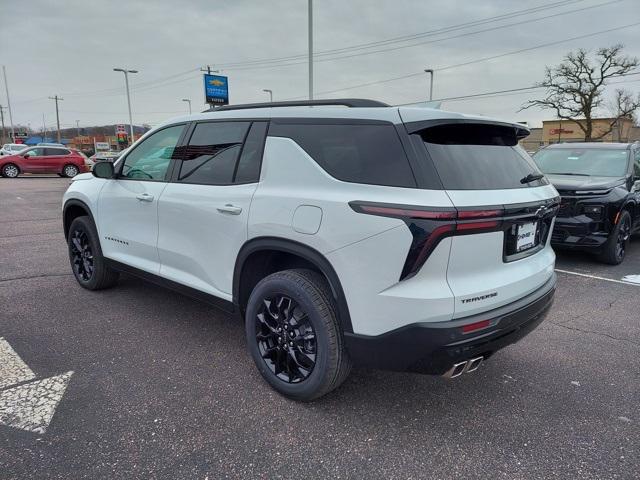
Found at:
(102, 147)
(216, 89)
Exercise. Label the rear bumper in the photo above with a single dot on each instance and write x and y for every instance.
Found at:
(579, 232)
(434, 347)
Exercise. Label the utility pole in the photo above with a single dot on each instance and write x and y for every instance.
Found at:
(2, 118)
(310, 49)
(57, 98)
(126, 82)
(266, 90)
(77, 128)
(430, 71)
(44, 129)
(6, 87)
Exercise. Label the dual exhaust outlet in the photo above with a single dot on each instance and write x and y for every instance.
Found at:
(467, 366)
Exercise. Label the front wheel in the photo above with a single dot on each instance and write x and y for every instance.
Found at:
(616, 247)
(294, 336)
(86, 258)
(10, 171)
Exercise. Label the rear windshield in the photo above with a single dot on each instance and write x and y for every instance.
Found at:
(479, 157)
(583, 161)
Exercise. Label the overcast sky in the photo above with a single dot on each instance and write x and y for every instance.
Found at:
(70, 47)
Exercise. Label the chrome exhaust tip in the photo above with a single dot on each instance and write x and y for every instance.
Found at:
(457, 370)
(473, 364)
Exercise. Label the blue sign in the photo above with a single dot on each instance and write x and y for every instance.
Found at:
(216, 89)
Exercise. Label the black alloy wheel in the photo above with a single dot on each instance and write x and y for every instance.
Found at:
(615, 249)
(82, 255)
(294, 334)
(286, 339)
(624, 232)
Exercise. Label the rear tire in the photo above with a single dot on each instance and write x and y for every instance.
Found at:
(70, 170)
(87, 263)
(294, 335)
(10, 170)
(615, 248)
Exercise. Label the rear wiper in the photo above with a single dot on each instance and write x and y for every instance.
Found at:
(578, 174)
(532, 177)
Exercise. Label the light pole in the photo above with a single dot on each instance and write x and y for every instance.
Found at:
(78, 128)
(126, 82)
(430, 83)
(6, 87)
(188, 100)
(310, 49)
(270, 92)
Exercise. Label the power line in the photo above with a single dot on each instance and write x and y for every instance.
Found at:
(510, 91)
(406, 37)
(460, 35)
(470, 62)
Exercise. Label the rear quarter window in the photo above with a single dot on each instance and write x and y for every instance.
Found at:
(357, 153)
(479, 157)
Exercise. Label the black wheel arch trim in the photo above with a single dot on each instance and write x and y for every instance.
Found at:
(74, 202)
(304, 251)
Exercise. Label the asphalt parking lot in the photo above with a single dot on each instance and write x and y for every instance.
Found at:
(162, 386)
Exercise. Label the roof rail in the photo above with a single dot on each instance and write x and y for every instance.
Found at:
(346, 102)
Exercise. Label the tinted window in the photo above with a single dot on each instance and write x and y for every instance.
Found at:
(55, 151)
(636, 164)
(251, 158)
(150, 159)
(212, 153)
(479, 157)
(364, 153)
(580, 161)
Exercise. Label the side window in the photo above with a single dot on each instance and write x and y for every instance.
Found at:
(212, 153)
(359, 153)
(248, 170)
(150, 159)
(49, 152)
(36, 152)
(636, 163)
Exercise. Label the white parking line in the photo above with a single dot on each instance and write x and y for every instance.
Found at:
(598, 278)
(26, 403)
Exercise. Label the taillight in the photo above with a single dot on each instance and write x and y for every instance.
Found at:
(430, 225)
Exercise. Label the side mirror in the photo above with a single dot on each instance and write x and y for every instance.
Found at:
(103, 170)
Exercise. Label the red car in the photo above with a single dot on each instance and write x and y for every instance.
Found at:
(63, 161)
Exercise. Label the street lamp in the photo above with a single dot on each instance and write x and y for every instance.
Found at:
(270, 92)
(126, 82)
(188, 100)
(428, 70)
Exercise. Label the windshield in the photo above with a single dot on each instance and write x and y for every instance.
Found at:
(599, 162)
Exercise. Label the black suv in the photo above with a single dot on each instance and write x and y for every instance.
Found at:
(600, 188)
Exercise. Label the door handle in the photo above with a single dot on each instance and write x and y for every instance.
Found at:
(145, 197)
(231, 209)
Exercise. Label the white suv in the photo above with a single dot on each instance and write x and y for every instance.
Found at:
(342, 231)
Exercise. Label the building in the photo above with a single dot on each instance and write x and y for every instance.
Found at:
(533, 141)
(557, 131)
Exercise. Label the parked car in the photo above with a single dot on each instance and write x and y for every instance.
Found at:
(399, 238)
(600, 188)
(105, 156)
(63, 161)
(12, 148)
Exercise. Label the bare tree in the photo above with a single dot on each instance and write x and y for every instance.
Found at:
(575, 88)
